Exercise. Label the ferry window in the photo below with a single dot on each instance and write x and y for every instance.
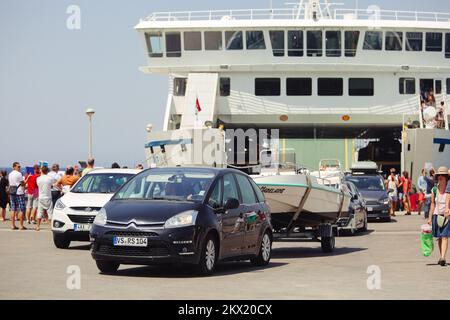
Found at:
(351, 43)
(277, 40)
(414, 41)
(373, 40)
(407, 86)
(314, 42)
(434, 41)
(213, 40)
(267, 86)
(447, 45)
(448, 85)
(255, 40)
(192, 41)
(179, 87)
(233, 40)
(173, 44)
(333, 43)
(394, 41)
(299, 86)
(360, 87)
(224, 87)
(154, 44)
(295, 43)
(330, 86)
(438, 87)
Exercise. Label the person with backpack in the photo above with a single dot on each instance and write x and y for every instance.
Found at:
(439, 213)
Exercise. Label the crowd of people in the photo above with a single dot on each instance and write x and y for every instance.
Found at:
(428, 102)
(31, 197)
(433, 201)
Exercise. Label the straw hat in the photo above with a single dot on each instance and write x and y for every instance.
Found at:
(442, 171)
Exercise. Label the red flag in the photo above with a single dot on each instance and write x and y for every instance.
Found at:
(197, 105)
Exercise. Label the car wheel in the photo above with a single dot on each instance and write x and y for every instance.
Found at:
(364, 228)
(107, 266)
(208, 257)
(265, 252)
(328, 244)
(61, 241)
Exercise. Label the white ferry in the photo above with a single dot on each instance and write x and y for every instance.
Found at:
(323, 75)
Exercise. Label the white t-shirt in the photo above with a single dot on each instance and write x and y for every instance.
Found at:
(55, 176)
(44, 183)
(15, 178)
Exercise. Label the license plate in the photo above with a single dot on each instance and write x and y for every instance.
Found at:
(370, 209)
(130, 242)
(82, 227)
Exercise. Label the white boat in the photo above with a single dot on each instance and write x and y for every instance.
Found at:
(299, 200)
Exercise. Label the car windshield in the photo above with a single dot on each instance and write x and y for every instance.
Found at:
(101, 183)
(367, 183)
(172, 185)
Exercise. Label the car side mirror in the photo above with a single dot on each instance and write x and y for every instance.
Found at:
(232, 203)
(391, 190)
(354, 197)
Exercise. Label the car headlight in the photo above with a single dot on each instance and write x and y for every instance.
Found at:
(183, 219)
(384, 201)
(100, 218)
(59, 205)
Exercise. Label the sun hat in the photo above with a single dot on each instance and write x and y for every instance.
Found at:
(442, 171)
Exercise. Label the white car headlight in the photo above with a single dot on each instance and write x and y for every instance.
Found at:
(384, 201)
(100, 218)
(183, 219)
(59, 205)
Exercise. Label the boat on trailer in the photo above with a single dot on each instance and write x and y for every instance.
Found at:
(304, 206)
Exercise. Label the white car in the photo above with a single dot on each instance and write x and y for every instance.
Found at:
(75, 212)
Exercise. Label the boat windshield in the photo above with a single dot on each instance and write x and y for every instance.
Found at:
(168, 185)
(367, 183)
(101, 182)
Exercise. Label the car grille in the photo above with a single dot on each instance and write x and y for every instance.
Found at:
(372, 203)
(132, 234)
(158, 251)
(81, 219)
(86, 209)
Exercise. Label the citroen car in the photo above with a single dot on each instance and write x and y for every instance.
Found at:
(183, 216)
(74, 213)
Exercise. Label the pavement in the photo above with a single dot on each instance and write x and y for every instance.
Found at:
(383, 263)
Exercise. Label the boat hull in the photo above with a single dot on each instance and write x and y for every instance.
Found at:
(284, 195)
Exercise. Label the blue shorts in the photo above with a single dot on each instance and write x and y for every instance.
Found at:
(440, 232)
(17, 202)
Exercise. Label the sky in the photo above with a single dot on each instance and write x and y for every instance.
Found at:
(49, 76)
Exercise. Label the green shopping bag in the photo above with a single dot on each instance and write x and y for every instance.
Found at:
(427, 242)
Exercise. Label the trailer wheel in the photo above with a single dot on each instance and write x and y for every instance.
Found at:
(328, 244)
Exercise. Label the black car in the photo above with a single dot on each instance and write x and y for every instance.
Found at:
(375, 194)
(196, 216)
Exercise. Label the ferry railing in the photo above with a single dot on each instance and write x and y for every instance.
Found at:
(298, 13)
(367, 14)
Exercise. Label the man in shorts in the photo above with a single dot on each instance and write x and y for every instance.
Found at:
(33, 194)
(45, 206)
(17, 200)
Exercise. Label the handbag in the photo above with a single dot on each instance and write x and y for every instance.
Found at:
(13, 190)
(442, 221)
